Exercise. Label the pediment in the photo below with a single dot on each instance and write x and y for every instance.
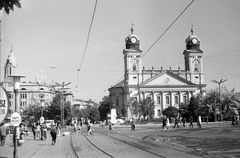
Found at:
(167, 79)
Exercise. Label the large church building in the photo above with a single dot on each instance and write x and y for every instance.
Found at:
(164, 87)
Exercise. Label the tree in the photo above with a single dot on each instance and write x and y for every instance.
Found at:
(171, 111)
(8, 5)
(94, 114)
(146, 108)
(231, 103)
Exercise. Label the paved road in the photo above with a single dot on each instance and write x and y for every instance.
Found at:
(213, 140)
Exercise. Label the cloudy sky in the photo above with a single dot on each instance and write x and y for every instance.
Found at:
(51, 35)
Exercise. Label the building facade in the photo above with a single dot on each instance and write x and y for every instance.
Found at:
(164, 87)
(37, 93)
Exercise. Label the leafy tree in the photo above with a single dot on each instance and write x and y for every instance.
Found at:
(94, 114)
(104, 107)
(171, 111)
(146, 108)
(8, 5)
(231, 102)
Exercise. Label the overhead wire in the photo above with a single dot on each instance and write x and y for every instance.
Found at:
(85, 49)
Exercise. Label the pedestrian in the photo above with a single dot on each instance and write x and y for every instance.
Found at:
(74, 127)
(176, 122)
(233, 121)
(79, 127)
(199, 121)
(34, 128)
(3, 133)
(58, 129)
(89, 127)
(111, 129)
(167, 123)
(38, 130)
(164, 122)
(53, 133)
(191, 121)
(132, 125)
(184, 121)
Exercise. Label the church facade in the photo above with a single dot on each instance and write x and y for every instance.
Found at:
(164, 87)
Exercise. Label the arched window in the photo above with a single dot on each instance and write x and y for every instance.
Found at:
(196, 65)
(134, 68)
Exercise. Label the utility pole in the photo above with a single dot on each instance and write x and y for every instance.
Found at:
(219, 85)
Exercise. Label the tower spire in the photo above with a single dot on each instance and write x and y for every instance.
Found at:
(132, 28)
(192, 29)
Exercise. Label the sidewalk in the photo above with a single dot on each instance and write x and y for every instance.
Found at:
(37, 148)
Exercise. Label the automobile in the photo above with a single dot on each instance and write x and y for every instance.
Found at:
(117, 121)
(48, 123)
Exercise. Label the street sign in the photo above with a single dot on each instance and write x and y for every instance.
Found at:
(16, 119)
(41, 119)
(4, 104)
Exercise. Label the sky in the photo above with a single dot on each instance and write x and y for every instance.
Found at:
(51, 35)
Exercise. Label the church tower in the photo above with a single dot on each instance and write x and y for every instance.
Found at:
(10, 66)
(132, 60)
(193, 60)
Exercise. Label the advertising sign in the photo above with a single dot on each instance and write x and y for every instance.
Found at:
(16, 119)
(41, 119)
(4, 104)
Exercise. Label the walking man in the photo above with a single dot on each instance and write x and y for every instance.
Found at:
(184, 121)
(3, 133)
(191, 121)
(176, 122)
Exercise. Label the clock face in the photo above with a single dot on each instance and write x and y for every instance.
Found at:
(134, 61)
(194, 41)
(166, 80)
(133, 40)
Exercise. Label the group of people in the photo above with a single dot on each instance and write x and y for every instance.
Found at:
(40, 131)
(177, 120)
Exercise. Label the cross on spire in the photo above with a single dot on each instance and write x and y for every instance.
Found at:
(192, 29)
(132, 28)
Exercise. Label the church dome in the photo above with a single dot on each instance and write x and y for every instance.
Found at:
(11, 59)
(192, 39)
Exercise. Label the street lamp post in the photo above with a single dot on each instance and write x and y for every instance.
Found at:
(16, 85)
(219, 86)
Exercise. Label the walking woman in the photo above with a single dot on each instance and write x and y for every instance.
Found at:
(53, 134)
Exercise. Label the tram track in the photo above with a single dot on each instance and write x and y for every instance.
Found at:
(97, 145)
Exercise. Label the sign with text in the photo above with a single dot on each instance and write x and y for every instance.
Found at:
(41, 119)
(16, 119)
(4, 104)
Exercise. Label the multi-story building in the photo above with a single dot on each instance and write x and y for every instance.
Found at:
(164, 87)
(30, 93)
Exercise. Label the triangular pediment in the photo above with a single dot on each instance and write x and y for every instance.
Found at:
(167, 79)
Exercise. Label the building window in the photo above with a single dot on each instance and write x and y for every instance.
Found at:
(158, 100)
(159, 112)
(167, 100)
(149, 99)
(196, 65)
(176, 99)
(134, 68)
(184, 99)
